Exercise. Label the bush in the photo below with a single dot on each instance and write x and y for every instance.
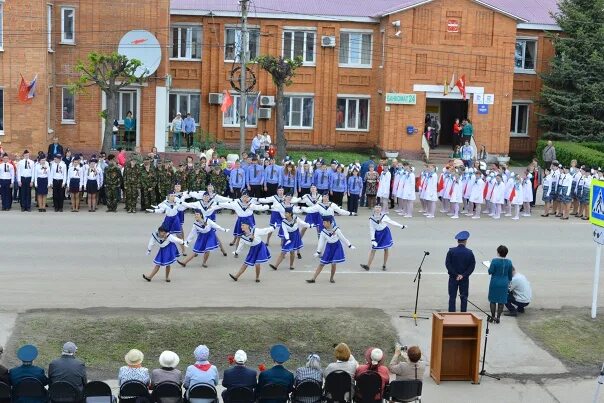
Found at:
(568, 151)
(595, 146)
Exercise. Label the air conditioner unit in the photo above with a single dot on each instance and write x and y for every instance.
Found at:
(215, 98)
(266, 100)
(328, 41)
(264, 113)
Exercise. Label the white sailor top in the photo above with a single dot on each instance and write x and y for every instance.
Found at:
(203, 227)
(566, 181)
(547, 184)
(213, 198)
(167, 208)
(40, 171)
(431, 187)
(206, 209)
(254, 238)
(477, 192)
(311, 200)
(331, 236)
(162, 243)
(292, 226)
(243, 210)
(379, 223)
(94, 174)
(75, 172)
(326, 210)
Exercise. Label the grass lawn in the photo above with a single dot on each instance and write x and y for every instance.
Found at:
(103, 336)
(570, 335)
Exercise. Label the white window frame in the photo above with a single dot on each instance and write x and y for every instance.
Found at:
(312, 112)
(357, 98)
(50, 109)
(306, 32)
(2, 114)
(133, 107)
(1, 25)
(236, 111)
(188, 28)
(523, 70)
(358, 32)
(185, 93)
(49, 15)
(64, 40)
(63, 120)
(515, 105)
(236, 52)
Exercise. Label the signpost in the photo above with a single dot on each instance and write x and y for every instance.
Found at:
(401, 99)
(596, 217)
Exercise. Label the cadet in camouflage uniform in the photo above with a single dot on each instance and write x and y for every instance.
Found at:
(131, 184)
(218, 179)
(166, 178)
(190, 179)
(113, 183)
(201, 178)
(148, 182)
(180, 176)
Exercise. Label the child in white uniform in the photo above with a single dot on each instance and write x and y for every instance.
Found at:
(380, 235)
(330, 249)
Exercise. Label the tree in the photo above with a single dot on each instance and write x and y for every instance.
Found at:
(282, 71)
(110, 73)
(573, 89)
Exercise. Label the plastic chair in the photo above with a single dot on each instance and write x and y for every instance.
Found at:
(308, 391)
(98, 392)
(273, 391)
(5, 393)
(368, 387)
(134, 391)
(30, 388)
(202, 393)
(167, 392)
(406, 391)
(240, 395)
(338, 387)
(64, 392)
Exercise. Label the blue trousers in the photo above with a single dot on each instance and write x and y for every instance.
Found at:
(7, 193)
(25, 193)
(460, 288)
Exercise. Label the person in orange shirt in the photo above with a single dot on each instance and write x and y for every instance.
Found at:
(456, 133)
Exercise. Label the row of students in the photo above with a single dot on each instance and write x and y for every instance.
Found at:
(567, 187)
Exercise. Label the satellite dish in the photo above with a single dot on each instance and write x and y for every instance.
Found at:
(143, 46)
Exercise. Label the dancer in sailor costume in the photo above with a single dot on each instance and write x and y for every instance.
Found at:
(204, 233)
(330, 248)
(477, 195)
(207, 207)
(527, 194)
(312, 199)
(213, 196)
(245, 215)
(167, 253)
(277, 208)
(327, 209)
(547, 191)
(258, 252)
(516, 197)
(291, 241)
(455, 195)
(169, 208)
(583, 191)
(431, 191)
(380, 235)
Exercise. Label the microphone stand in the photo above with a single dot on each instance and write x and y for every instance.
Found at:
(418, 278)
(483, 372)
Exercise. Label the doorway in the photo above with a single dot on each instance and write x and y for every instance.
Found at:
(449, 111)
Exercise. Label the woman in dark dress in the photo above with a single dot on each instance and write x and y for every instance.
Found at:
(500, 270)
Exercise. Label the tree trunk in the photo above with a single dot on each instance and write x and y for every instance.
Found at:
(111, 100)
(281, 140)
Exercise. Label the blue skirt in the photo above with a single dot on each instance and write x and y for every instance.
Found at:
(42, 188)
(166, 256)
(383, 239)
(172, 224)
(206, 242)
(314, 218)
(276, 219)
(563, 197)
(546, 198)
(212, 216)
(584, 199)
(243, 220)
(74, 185)
(257, 254)
(333, 253)
(181, 217)
(92, 186)
(573, 191)
(294, 244)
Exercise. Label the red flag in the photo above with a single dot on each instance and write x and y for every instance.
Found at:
(451, 190)
(24, 91)
(227, 101)
(513, 194)
(485, 191)
(461, 84)
(441, 184)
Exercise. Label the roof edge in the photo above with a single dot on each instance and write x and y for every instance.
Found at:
(290, 16)
(538, 26)
(482, 3)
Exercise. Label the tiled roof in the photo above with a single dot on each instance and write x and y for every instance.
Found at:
(533, 11)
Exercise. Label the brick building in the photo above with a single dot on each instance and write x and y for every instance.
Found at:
(372, 70)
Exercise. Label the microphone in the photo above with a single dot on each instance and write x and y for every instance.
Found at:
(426, 253)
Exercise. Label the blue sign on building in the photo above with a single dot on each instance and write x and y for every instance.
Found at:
(483, 109)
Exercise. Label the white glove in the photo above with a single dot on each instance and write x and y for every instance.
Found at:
(374, 244)
(352, 247)
(287, 242)
(316, 254)
(226, 230)
(148, 253)
(154, 206)
(150, 210)
(403, 227)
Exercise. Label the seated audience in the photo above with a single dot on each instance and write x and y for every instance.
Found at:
(202, 371)
(311, 371)
(344, 361)
(168, 361)
(520, 294)
(238, 376)
(375, 363)
(3, 370)
(134, 369)
(406, 363)
(278, 374)
(27, 354)
(68, 368)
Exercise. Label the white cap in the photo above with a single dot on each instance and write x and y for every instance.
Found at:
(376, 356)
(240, 357)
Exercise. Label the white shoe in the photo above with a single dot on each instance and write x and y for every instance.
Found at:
(508, 215)
(526, 215)
(429, 216)
(407, 216)
(426, 214)
(515, 218)
(476, 217)
(443, 211)
(398, 211)
(454, 217)
(421, 211)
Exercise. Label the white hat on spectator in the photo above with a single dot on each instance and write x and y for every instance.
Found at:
(169, 359)
(240, 357)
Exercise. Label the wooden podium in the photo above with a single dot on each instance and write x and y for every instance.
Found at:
(455, 351)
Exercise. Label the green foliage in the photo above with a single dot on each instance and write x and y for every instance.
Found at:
(111, 72)
(573, 90)
(567, 151)
(281, 70)
(595, 146)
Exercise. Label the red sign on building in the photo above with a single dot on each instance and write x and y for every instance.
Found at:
(452, 25)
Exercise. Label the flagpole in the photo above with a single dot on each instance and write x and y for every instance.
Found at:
(243, 82)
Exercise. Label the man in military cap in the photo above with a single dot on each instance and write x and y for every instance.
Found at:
(148, 181)
(113, 183)
(131, 180)
(460, 263)
(201, 177)
(27, 354)
(165, 178)
(218, 179)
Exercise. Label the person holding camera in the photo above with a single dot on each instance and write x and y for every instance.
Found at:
(406, 363)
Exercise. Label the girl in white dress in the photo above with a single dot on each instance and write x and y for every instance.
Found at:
(527, 193)
(383, 191)
(455, 195)
(431, 192)
(497, 196)
(477, 195)
(516, 197)
(409, 192)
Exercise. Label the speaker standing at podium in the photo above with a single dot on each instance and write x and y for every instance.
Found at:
(460, 264)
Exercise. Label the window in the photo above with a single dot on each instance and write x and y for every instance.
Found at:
(1, 111)
(298, 112)
(126, 102)
(67, 106)
(520, 117)
(233, 45)
(352, 114)
(49, 25)
(68, 25)
(231, 116)
(184, 103)
(186, 43)
(355, 49)
(299, 43)
(383, 38)
(2, 25)
(526, 51)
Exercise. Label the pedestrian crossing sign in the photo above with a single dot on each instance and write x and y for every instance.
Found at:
(596, 202)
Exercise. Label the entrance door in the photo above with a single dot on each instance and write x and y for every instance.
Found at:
(449, 111)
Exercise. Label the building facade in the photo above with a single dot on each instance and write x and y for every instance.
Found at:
(371, 73)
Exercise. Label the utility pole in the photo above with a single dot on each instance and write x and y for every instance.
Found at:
(244, 58)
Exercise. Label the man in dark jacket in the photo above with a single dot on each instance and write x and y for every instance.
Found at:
(278, 374)
(67, 368)
(238, 376)
(54, 149)
(27, 354)
(3, 371)
(460, 264)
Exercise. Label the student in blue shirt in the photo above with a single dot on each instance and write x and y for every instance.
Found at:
(236, 180)
(272, 177)
(255, 178)
(304, 180)
(288, 178)
(188, 126)
(337, 185)
(321, 178)
(355, 189)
